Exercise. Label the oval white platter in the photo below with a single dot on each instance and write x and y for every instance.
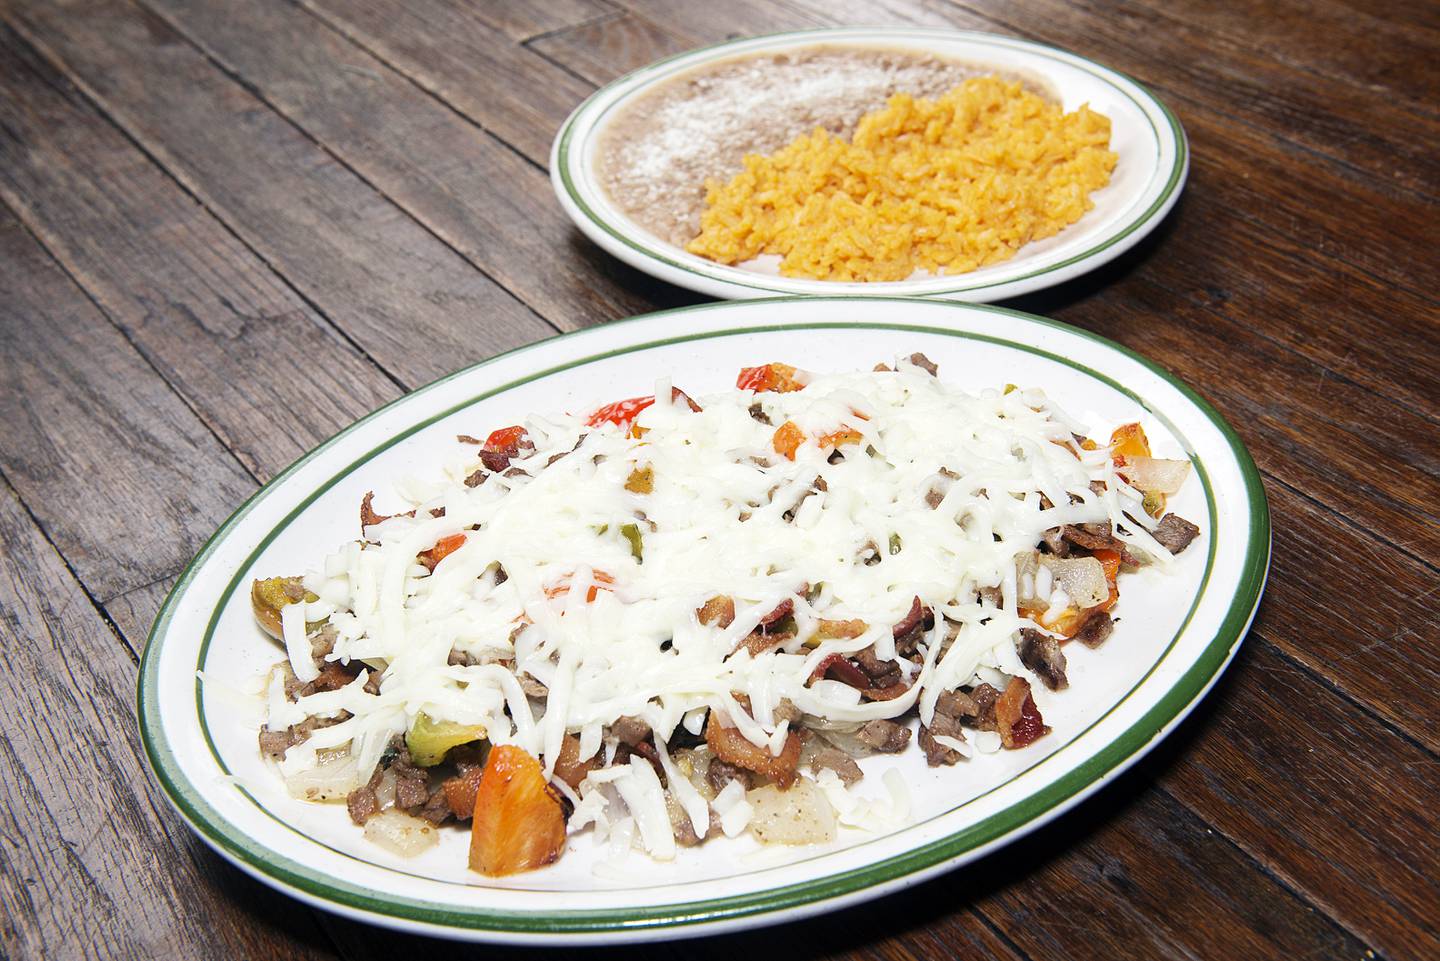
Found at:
(1176, 631)
(1154, 160)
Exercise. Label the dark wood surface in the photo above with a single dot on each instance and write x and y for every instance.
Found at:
(228, 229)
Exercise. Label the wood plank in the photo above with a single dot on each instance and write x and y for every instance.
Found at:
(95, 864)
(738, 18)
(603, 50)
(135, 611)
(411, 303)
(264, 371)
(504, 87)
(484, 200)
(1286, 293)
(521, 21)
(1327, 800)
(1128, 876)
(125, 479)
(1395, 61)
(1368, 459)
(1372, 650)
(1333, 119)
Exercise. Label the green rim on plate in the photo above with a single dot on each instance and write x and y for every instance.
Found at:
(648, 248)
(311, 885)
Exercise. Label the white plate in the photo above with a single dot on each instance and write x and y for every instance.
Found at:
(1175, 632)
(1146, 183)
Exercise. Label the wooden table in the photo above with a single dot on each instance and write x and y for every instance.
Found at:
(231, 227)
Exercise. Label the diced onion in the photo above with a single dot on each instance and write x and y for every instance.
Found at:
(1081, 578)
(335, 776)
(1154, 475)
(800, 815)
(400, 833)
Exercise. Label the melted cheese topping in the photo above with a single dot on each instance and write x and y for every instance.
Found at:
(843, 533)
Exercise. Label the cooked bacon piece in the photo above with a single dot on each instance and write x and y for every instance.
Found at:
(719, 611)
(782, 610)
(888, 693)
(568, 766)
(518, 823)
(826, 630)
(1041, 653)
(368, 517)
(1017, 716)
(443, 548)
(732, 747)
(676, 395)
(912, 627)
(843, 671)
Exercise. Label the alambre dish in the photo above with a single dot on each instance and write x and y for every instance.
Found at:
(1176, 631)
(1154, 161)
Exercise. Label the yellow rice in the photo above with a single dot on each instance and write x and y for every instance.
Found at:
(944, 186)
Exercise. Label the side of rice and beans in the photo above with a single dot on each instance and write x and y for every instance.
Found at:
(676, 619)
(854, 164)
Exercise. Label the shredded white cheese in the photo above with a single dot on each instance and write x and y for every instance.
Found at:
(573, 573)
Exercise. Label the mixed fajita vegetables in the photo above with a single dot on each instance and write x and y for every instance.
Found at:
(673, 618)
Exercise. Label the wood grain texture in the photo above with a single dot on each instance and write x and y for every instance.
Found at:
(474, 192)
(185, 184)
(1312, 789)
(1147, 881)
(264, 371)
(602, 50)
(94, 864)
(412, 304)
(125, 479)
(505, 88)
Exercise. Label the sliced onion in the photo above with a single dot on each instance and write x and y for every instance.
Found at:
(1154, 475)
(330, 779)
(800, 815)
(1081, 578)
(400, 833)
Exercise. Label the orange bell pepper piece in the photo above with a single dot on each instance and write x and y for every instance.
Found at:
(788, 439)
(517, 824)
